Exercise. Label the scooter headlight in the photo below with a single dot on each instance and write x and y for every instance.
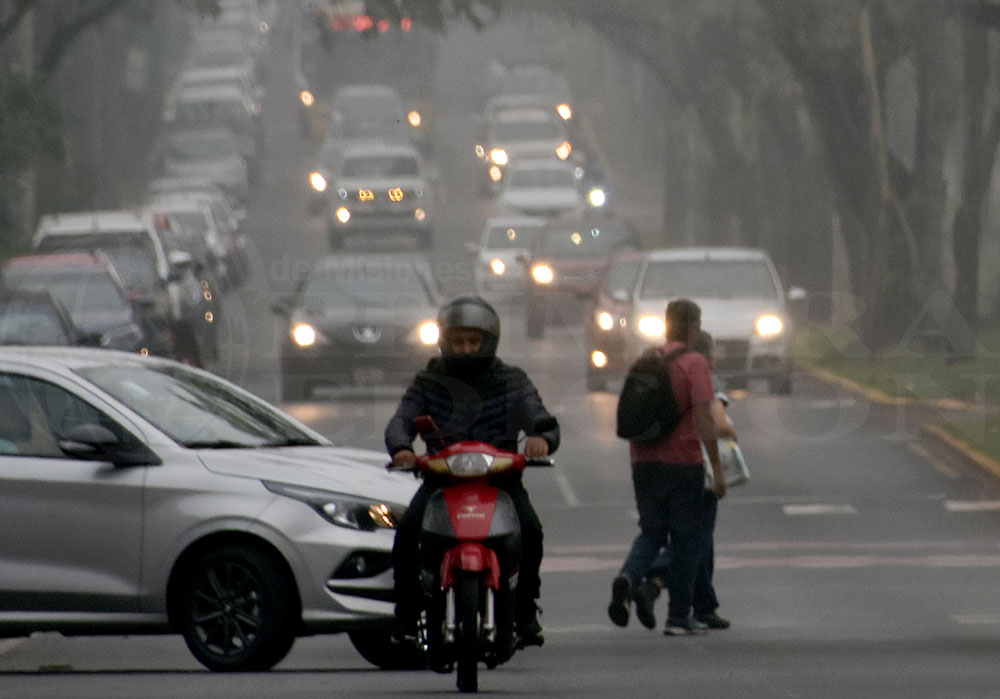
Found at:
(469, 464)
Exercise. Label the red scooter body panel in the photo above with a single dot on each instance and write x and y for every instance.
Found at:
(471, 507)
(473, 557)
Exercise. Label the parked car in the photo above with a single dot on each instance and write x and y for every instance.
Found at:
(164, 499)
(158, 272)
(90, 289)
(504, 239)
(743, 306)
(379, 189)
(213, 154)
(30, 317)
(540, 187)
(606, 322)
(565, 265)
(363, 319)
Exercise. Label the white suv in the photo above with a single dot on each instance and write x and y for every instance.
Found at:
(742, 305)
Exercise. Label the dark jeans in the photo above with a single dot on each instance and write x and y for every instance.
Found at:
(704, 600)
(406, 553)
(669, 500)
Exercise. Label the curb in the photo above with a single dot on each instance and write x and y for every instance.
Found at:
(985, 462)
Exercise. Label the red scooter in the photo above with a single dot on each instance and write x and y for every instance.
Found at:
(470, 550)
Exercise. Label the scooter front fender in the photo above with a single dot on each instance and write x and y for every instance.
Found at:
(470, 556)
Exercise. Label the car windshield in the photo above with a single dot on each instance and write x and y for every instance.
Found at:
(388, 285)
(202, 147)
(131, 254)
(30, 324)
(503, 235)
(381, 166)
(708, 279)
(81, 292)
(525, 131)
(583, 240)
(522, 178)
(194, 409)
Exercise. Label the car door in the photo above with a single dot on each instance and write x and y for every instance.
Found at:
(72, 528)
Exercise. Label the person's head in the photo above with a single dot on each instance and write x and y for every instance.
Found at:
(469, 333)
(705, 345)
(683, 321)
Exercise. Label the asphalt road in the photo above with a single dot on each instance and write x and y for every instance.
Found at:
(861, 560)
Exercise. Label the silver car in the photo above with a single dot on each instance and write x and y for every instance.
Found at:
(144, 496)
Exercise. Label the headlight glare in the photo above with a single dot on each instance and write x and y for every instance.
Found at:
(542, 274)
(497, 266)
(652, 326)
(605, 321)
(304, 334)
(429, 332)
(317, 181)
(498, 156)
(769, 325)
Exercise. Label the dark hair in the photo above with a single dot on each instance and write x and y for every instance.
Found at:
(681, 316)
(704, 344)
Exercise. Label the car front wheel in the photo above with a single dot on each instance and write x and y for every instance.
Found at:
(238, 609)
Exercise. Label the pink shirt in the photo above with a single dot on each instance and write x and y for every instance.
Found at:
(692, 383)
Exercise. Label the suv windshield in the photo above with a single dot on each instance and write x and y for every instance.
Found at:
(196, 410)
(708, 279)
(381, 166)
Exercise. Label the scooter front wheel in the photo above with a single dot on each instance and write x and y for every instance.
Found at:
(467, 645)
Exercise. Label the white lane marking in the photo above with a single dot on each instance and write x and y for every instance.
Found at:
(567, 490)
(977, 619)
(938, 464)
(818, 509)
(972, 505)
(592, 564)
(826, 404)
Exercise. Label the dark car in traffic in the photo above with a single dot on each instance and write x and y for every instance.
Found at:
(565, 266)
(362, 319)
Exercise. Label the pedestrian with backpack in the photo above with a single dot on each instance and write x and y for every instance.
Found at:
(668, 471)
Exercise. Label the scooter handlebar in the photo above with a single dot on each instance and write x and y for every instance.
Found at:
(539, 461)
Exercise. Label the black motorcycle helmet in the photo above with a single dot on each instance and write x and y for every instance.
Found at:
(469, 312)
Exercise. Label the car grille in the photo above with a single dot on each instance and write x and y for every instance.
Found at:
(731, 355)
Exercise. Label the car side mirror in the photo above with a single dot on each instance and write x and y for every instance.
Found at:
(93, 442)
(181, 261)
(795, 293)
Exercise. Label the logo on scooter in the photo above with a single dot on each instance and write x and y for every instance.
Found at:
(471, 513)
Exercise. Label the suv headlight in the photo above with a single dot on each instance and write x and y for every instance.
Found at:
(348, 511)
(304, 335)
(605, 320)
(652, 326)
(542, 274)
(769, 325)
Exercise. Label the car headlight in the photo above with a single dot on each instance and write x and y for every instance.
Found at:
(599, 359)
(414, 118)
(343, 214)
(563, 150)
(317, 181)
(497, 266)
(605, 320)
(565, 111)
(498, 156)
(597, 197)
(652, 326)
(496, 174)
(542, 274)
(307, 98)
(348, 511)
(429, 332)
(304, 334)
(769, 325)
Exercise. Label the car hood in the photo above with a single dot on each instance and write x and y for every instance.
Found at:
(542, 198)
(362, 313)
(723, 317)
(380, 182)
(526, 149)
(340, 469)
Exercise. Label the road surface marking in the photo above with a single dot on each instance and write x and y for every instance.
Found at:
(818, 509)
(972, 505)
(938, 464)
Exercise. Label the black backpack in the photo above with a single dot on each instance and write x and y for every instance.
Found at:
(647, 408)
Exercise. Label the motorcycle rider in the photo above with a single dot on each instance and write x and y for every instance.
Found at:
(472, 395)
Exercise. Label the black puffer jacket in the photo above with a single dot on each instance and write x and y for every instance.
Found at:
(492, 406)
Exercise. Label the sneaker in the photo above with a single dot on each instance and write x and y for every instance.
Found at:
(713, 621)
(621, 597)
(645, 595)
(529, 629)
(684, 627)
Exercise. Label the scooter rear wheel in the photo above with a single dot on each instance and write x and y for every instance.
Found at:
(467, 645)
